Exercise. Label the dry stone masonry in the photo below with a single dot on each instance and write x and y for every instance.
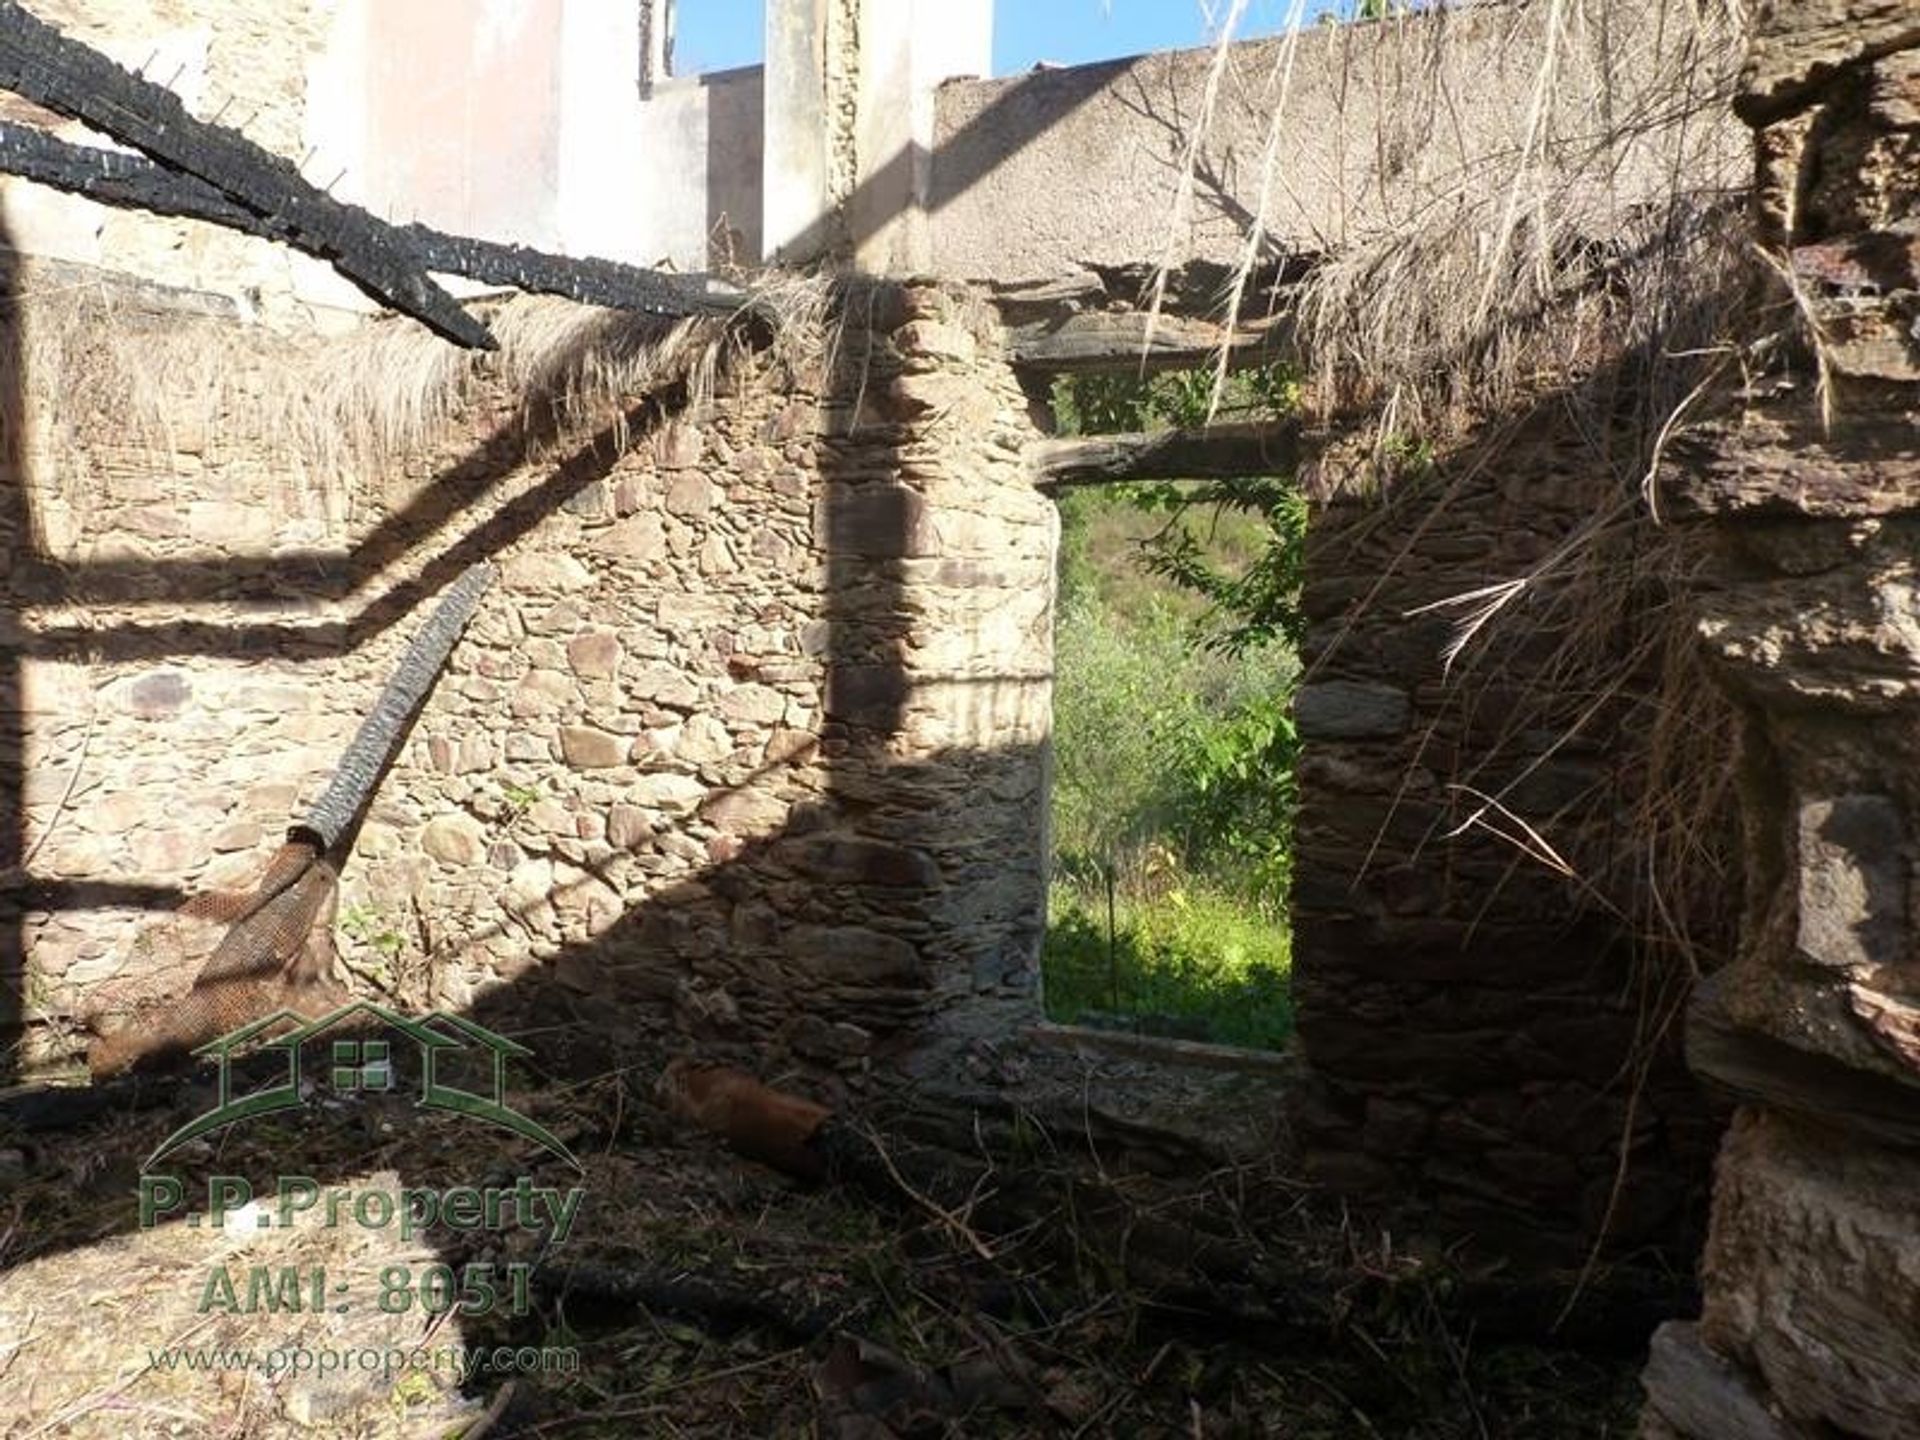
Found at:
(1483, 1030)
(748, 735)
(1812, 1268)
(748, 740)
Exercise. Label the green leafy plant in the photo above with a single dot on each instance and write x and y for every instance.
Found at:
(1237, 793)
(1257, 602)
(519, 798)
(366, 925)
(1195, 954)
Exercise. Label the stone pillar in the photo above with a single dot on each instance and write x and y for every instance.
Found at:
(799, 186)
(849, 123)
(1812, 493)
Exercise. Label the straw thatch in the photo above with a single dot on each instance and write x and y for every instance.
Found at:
(93, 362)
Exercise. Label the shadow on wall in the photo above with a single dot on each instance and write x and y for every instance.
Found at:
(736, 146)
(899, 899)
(1491, 1037)
(17, 537)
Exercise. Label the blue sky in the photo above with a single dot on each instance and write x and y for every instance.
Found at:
(718, 34)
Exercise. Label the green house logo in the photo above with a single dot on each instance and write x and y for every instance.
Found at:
(364, 1063)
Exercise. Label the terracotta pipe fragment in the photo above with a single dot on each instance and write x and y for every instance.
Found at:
(755, 1120)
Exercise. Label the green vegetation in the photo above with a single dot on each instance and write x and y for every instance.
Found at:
(1173, 750)
(365, 924)
(1206, 956)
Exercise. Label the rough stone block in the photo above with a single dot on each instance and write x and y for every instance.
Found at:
(829, 1040)
(745, 812)
(703, 740)
(674, 794)
(870, 695)
(1703, 1396)
(237, 835)
(165, 852)
(677, 446)
(1793, 46)
(854, 955)
(879, 521)
(158, 695)
(692, 496)
(663, 684)
(455, 839)
(1812, 1275)
(753, 704)
(1853, 882)
(590, 502)
(638, 538)
(594, 655)
(933, 339)
(1350, 710)
(546, 570)
(530, 884)
(586, 748)
(629, 826)
(852, 860)
(543, 692)
(1896, 90)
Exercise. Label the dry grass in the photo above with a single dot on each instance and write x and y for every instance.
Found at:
(336, 409)
(1537, 196)
(802, 1311)
(1551, 222)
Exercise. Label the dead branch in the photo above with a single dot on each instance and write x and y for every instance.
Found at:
(722, 1304)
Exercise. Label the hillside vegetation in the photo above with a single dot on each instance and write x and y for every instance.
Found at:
(1173, 751)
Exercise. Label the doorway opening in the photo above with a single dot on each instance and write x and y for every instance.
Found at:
(1172, 795)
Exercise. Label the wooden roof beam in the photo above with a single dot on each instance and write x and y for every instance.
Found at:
(1202, 452)
(110, 177)
(40, 64)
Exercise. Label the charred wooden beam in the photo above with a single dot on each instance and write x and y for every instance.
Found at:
(1206, 452)
(109, 177)
(1134, 340)
(338, 811)
(114, 178)
(278, 951)
(40, 64)
(586, 279)
(726, 1304)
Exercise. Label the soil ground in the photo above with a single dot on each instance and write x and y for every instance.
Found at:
(1066, 1289)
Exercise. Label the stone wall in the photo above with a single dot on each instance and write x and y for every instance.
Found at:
(1812, 1269)
(747, 737)
(1062, 172)
(1482, 1029)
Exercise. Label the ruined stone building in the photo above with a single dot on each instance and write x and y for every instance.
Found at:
(1605, 896)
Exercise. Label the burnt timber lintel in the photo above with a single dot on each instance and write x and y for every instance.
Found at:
(40, 64)
(129, 182)
(1225, 452)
